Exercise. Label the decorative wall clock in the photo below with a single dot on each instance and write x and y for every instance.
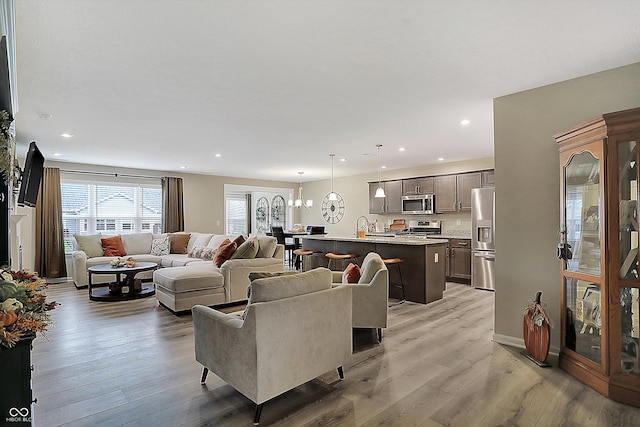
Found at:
(333, 210)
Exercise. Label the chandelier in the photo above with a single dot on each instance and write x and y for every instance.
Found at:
(300, 202)
(380, 190)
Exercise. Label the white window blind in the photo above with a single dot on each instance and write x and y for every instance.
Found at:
(110, 209)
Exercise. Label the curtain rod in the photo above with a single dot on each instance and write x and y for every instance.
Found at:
(112, 174)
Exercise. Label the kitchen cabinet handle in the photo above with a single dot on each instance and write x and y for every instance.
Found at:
(463, 243)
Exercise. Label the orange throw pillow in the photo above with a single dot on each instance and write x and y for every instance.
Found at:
(224, 252)
(351, 273)
(178, 242)
(112, 246)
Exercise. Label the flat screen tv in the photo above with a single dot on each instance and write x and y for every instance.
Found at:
(31, 177)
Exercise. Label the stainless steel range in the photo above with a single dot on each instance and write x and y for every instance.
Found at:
(425, 228)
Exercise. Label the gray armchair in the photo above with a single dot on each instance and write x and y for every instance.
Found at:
(268, 350)
(370, 295)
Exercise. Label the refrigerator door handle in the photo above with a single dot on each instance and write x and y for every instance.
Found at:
(483, 255)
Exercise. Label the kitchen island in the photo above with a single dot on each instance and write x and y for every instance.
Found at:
(423, 269)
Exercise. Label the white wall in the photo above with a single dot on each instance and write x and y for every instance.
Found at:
(355, 192)
(203, 202)
(528, 187)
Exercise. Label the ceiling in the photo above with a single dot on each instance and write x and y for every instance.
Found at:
(275, 86)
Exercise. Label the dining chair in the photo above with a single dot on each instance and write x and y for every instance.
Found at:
(278, 233)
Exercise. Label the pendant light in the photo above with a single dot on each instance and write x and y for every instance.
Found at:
(332, 195)
(300, 202)
(380, 190)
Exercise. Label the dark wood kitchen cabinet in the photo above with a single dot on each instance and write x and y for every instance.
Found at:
(453, 192)
(460, 259)
(392, 203)
(417, 186)
(445, 193)
(600, 270)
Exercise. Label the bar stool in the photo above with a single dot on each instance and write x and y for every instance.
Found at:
(300, 257)
(396, 261)
(337, 256)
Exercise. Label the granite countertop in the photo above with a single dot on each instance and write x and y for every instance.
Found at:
(455, 234)
(414, 241)
(451, 234)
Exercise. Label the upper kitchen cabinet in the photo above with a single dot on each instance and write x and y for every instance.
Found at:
(392, 203)
(464, 183)
(600, 268)
(417, 186)
(489, 178)
(445, 193)
(453, 192)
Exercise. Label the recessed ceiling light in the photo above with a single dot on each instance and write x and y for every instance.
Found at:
(218, 155)
(383, 167)
(183, 167)
(464, 122)
(66, 135)
(56, 154)
(343, 159)
(401, 149)
(440, 159)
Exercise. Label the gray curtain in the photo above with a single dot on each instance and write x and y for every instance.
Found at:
(172, 205)
(50, 258)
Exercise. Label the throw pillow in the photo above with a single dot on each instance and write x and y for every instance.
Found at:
(266, 246)
(247, 250)
(90, 244)
(112, 246)
(216, 240)
(224, 252)
(160, 246)
(240, 240)
(351, 274)
(179, 242)
(137, 243)
(202, 252)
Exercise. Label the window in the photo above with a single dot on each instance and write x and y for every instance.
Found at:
(236, 214)
(109, 209)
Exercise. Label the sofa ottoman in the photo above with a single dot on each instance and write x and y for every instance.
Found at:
(180, 288)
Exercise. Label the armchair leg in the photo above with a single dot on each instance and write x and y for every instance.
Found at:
(340, 373)
(379, 335)
(256, 417)
(205, 371)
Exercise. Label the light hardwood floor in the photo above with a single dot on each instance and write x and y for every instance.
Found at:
(132, 363)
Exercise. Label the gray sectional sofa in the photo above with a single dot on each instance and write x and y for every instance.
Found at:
(184, 280)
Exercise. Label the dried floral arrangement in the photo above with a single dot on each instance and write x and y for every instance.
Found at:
(23, 306)
(6, 139)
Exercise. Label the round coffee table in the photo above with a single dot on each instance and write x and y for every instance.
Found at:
(114, 291)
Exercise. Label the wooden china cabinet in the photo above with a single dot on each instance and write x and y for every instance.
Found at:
(600, 275)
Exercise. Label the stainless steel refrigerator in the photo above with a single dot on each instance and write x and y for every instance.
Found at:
(483, 230)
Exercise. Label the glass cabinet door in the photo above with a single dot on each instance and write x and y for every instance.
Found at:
(582, 223)
(582, 200)
(628, 261)
(628, 208)
(583, 329)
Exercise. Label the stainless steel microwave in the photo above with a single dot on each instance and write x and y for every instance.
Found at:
(420, 204)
